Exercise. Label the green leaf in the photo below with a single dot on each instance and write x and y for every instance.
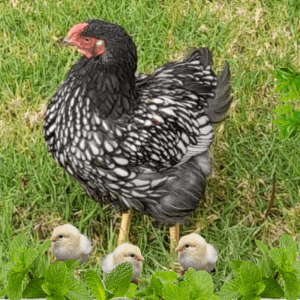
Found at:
(291, 285)
(2, 292)
(119, 279)
(44, 247)
(251, 297)
(250, 290)
(156, 285)
(235, 267)
(18, 245)
(48, 288)
(95, 284)
(258, 288)
(40, 267)
(55, 297)
(200, 283)
(14, 286)
(71, 265)
(56, 273)
(297, 83)
(284, 98)
(132, 290)
(250, 273)
(29, 256)
(287, 242)
(262, 247)
(246, 290)
(230, 290)
(173, 292)
(274, 73)
(277, 256)
(280, 86)
(7, 269)
(296, 266)
(272, 290)
(76, 290)
(267, 267)
(60, 290)
(34, 289)
(146, 291)
(166, 276)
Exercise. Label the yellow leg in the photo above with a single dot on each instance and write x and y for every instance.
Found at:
(174, 237)
(124, 229)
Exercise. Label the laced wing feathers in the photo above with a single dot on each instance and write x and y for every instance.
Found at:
(171, 125)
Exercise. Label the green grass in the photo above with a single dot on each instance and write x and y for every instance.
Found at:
(251, 35)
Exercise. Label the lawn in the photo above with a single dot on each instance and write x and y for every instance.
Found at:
(253, 36)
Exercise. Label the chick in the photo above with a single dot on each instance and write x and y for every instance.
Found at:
(194, 252)
(68, 243)
(123, 253)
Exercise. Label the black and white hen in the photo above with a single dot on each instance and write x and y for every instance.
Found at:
(141, 142)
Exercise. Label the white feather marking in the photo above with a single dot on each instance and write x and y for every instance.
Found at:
(121, 172)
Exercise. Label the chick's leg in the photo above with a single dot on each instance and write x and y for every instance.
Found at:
(174, 237)
(124, 229)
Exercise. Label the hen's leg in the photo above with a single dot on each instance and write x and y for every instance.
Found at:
(124, 229)
(174, 237)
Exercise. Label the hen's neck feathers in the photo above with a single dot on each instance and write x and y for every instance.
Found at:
(109, 83)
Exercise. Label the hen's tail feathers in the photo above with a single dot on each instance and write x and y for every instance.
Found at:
(218, 106)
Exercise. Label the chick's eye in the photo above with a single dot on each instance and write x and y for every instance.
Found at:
(132, 255)
(187, 245)
(61, 236)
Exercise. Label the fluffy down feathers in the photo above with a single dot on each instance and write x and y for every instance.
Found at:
(69, 244)
(194, 252)
(123, 253)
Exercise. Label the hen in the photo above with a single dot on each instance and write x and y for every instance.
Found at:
(137, 142)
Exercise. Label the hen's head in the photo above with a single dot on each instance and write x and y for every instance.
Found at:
(102, 40)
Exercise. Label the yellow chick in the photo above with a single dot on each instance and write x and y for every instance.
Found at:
(194, 252)
(68, 243)
(123, 253)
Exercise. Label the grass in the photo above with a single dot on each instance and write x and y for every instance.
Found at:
(246, 152)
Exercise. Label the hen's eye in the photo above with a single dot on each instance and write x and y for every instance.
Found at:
(100, 43)
(132, 255)
(61, 236)
(87, 39)
(187, 245)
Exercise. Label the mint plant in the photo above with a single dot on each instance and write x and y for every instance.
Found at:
(32, 276)
(164, 285)
(288, 82)
(117, 283)
(263, 280)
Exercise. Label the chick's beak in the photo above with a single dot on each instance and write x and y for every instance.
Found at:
(178, 249)
(139, 258)
(53, 239)
(65, 42)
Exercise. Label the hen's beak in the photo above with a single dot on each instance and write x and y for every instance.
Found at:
(178, 249)
(65, 42)
(53, 239)
(139, 258)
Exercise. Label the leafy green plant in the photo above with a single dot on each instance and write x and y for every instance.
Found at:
(32, 276)
(253, 282)
(288, 82)
(195, 285)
